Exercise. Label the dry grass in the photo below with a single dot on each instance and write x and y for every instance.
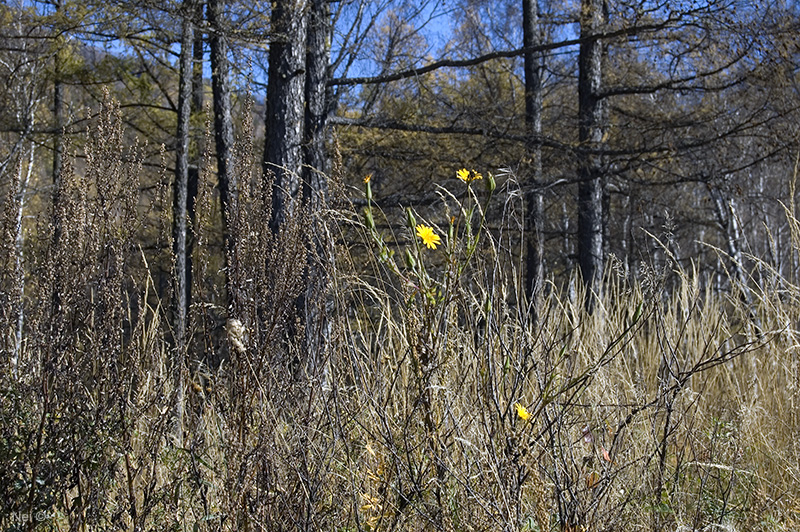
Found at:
(664, 409)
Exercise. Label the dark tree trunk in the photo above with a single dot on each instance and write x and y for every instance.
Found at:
(223, 137)
(316, 100)
(179, 211)
(315, 186)
(58, 135)
(198, 87)
(590, 137)
(283, 153)
(197, 138)
(181, 185)
(534, 257)
(58, 156)
(58, 116)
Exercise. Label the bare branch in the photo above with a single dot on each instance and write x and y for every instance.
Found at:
(501, 54)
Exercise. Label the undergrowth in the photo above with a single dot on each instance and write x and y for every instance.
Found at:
(438, 403)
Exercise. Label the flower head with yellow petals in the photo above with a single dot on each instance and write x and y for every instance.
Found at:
(468, 177)
(522, 412)
(429, 238)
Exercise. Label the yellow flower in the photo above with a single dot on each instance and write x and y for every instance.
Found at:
(427, 235)
(467, 177)
(367, 178)
(522, 412)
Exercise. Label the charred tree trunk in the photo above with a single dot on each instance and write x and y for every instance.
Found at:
(534, 256)
(283, 152)
(223, 138)
(590, 137)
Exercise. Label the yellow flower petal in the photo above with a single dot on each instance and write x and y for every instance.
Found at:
(429, 238)
(468, 177)
(522, 412)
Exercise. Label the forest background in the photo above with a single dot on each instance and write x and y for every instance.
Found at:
(391, 265)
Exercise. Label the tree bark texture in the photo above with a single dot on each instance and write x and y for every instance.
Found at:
(180, 213)
(315, 184)
(590, 136)
(58, 134)
(729, 223)
(180, 191)
(285, 119)
(223, 135)
(196, 137)
(533, 63)
(316, 102)
(198, 88)
(58, 115)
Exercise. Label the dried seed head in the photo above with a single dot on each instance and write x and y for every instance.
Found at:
(237, 335)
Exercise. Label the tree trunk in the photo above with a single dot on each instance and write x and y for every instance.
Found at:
(590, 137)
(19, 186)
(180, 195)
(197, 137)
(317, 303)
(534, 256)
(58, 130)
(58, 116)
(729, 223)
(223, 137)
(316, 99)
(283, 153)
(198, 88)
(58, 154)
